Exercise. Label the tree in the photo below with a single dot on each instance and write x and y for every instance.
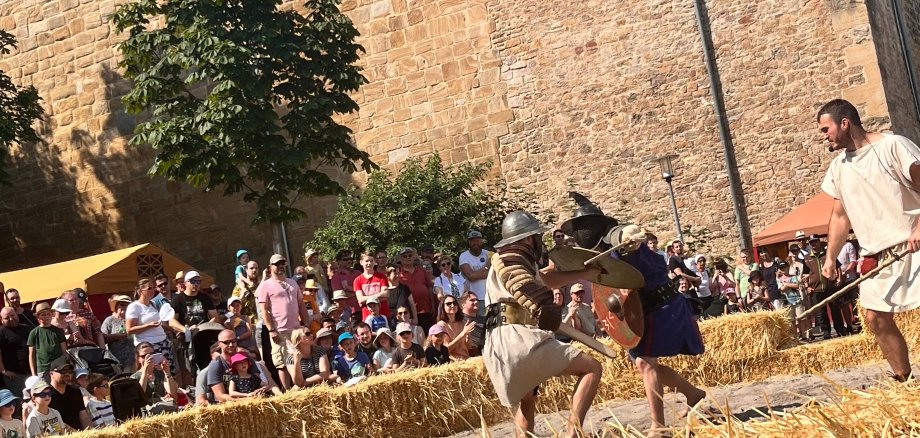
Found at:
(424, 203)
(243, 95)
(19, 108)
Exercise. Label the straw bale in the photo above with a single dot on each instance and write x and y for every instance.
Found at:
(888, 410)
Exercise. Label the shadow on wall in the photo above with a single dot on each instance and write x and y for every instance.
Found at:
(64, 201)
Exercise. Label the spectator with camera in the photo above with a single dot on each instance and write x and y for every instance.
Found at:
(155, 379)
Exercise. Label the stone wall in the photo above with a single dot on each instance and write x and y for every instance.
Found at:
(560, 96)
(892, 66)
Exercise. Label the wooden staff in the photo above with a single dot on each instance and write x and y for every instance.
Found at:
(866, 276)
(577, 335)
(607, 252)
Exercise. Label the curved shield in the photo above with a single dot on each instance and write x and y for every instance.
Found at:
(617, 273)
(626, 326)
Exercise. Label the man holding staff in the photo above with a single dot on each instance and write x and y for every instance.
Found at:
(875, 184)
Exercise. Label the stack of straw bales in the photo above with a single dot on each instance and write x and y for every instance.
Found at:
(448, 399)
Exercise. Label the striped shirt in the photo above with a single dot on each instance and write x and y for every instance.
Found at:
(100, 412)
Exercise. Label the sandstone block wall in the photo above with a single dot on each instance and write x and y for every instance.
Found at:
(560, 96)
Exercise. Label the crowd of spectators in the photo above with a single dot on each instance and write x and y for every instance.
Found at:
(331, 323)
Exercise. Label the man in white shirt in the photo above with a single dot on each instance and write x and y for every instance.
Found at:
(475, 264)
(875, 184)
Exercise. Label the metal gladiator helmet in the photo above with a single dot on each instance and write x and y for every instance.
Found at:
(588, 224)
(520, 224)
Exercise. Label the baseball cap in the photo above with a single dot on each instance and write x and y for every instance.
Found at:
(191, 274)
(39, 386)
(7, 397)
(180, 275)
(436, 329)
(373, 300)
(794, 247)
(81, 372)
(577, 287)
(344, 336)
(799, 234)
(61, 305)
(813, 237)
(403, 327)
(298, 278)
(276, 258)
(323, 333)
(41, 307)
(473, 234)
(240, 252)
(215, 286)
(59, 364)
(233, 299)
(405, 250)
(427, 247)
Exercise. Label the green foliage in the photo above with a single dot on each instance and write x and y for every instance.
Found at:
(424, 203)
(242, 95)
(19, 108)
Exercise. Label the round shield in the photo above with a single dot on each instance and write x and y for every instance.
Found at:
(617, 273)
(625, 328)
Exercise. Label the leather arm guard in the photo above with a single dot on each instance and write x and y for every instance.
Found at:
(518, 276)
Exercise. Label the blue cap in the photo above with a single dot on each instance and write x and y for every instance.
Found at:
(7, 397)
(240, 252)
(344, 336)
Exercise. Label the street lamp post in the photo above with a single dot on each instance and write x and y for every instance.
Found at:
(667, 173)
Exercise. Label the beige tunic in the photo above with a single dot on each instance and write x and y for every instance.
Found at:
(873, 183)
(518, 358)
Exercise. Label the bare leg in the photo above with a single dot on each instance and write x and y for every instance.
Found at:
(648, 369)
(890, 340)
(670, 378)
(589, 370)
(524, 415)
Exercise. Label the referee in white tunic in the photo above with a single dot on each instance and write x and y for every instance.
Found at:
(875, 183)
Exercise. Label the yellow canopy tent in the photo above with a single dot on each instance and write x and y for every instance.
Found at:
(113, 272)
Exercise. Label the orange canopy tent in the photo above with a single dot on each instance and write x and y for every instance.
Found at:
(811, 217)
(113, 272)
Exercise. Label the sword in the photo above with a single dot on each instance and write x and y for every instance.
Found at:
(577, 335)
(866, 276)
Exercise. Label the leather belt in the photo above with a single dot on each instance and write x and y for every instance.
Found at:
(652, 298)
(507, 312)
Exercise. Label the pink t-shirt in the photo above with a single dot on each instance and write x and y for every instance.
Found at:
(283, 300)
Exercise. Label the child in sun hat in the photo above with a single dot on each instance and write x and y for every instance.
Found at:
(9, 427)
(242, 383)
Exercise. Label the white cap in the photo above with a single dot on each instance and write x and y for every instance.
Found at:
(191, 274)
(61, 305)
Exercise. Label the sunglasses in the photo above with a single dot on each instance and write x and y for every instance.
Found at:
(159, 285)
(194, 281)
(43, 394)
(405, 333)
(228, 342)
(64, 371)
(446, 264)
(402, 313)
(558, 236)
(450, 303)
(281, 263)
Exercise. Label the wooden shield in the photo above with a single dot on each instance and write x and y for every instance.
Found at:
(619, 279)
(617, 273)
(626, 330)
